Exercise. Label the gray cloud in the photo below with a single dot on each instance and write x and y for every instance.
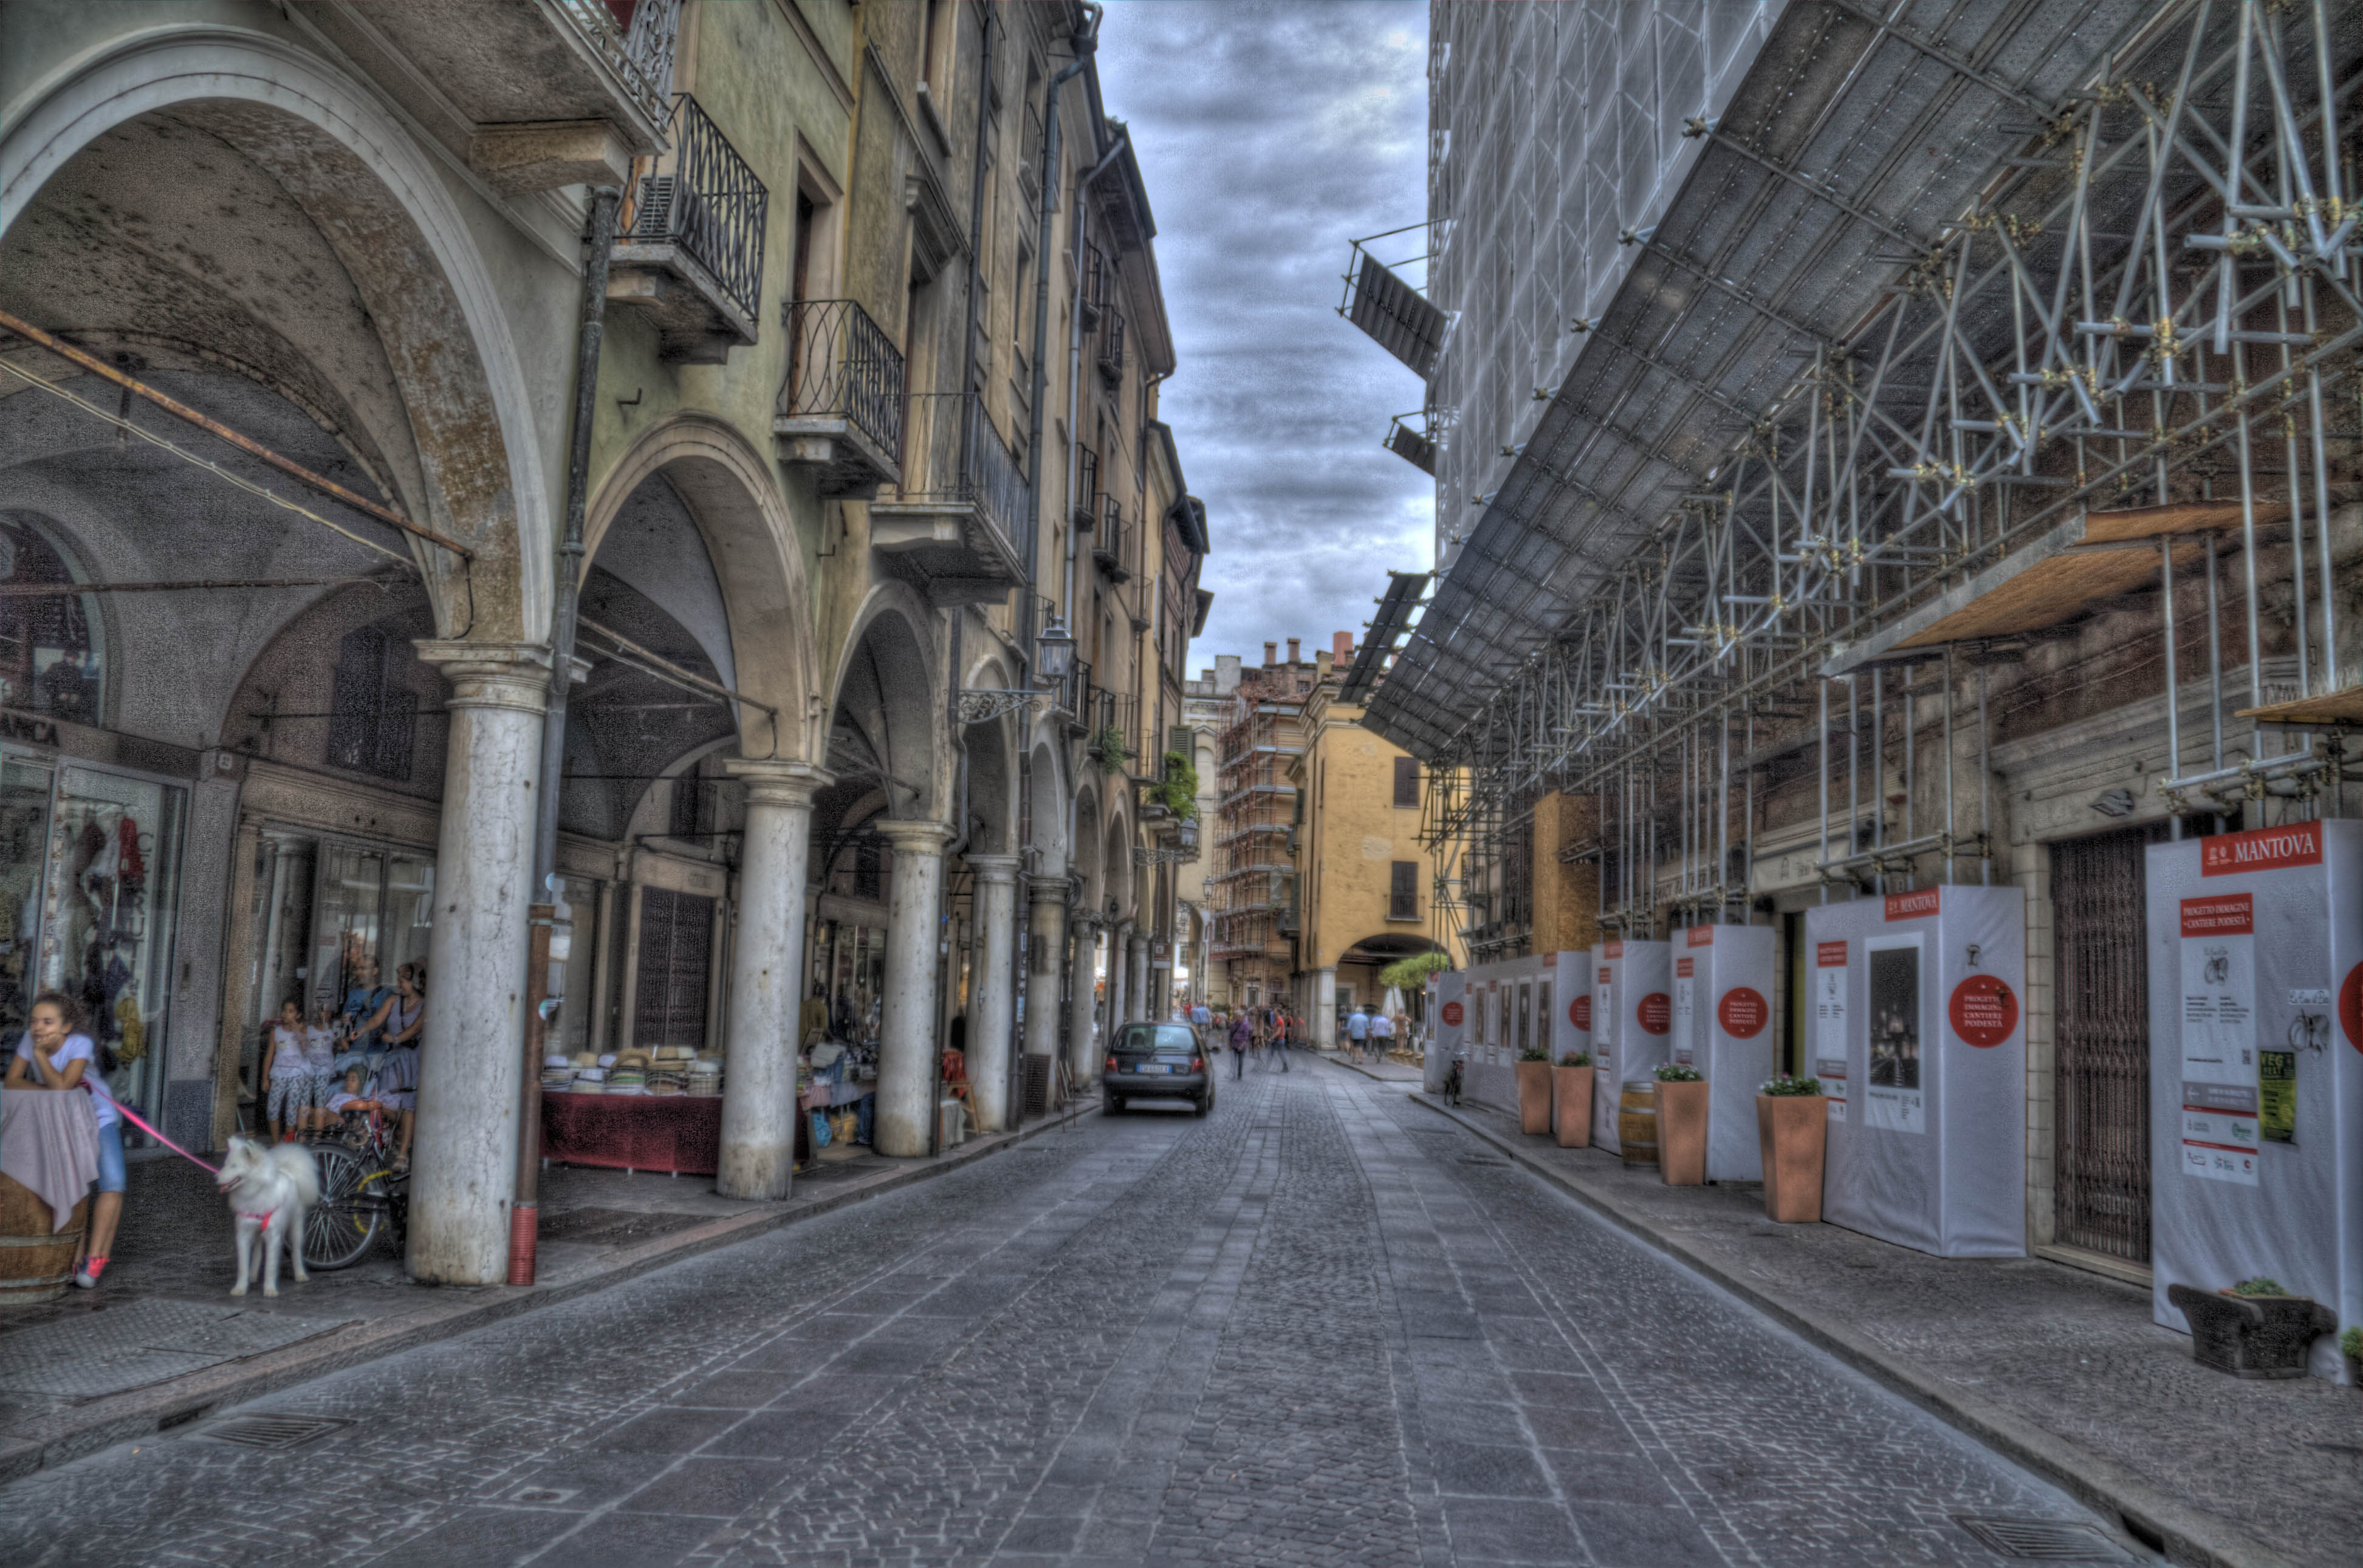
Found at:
(1269, 135)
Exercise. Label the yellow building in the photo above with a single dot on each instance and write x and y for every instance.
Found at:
(1366, 884)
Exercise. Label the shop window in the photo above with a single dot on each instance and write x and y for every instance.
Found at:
(24, 841)
(676, 950)
(49, 656)
(371, 719)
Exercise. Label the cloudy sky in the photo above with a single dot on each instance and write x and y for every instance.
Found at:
(1270, 134)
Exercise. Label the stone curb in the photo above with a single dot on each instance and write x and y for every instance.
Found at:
(161, 1406)
(2188, 1536)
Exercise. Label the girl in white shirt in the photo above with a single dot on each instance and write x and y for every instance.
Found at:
(289, 1072)
(55, 1054)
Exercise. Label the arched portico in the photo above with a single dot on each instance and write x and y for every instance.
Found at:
(348, 318)
(1049, 891)
(990, 826)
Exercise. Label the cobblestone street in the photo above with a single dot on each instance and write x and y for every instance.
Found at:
(1320, 1326)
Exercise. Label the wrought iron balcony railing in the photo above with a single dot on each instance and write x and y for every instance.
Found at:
(1107, 542)
(639, 51)
(843, 368)
(701, 198)
(1085, 503)
(952, 454)
(1111, 351)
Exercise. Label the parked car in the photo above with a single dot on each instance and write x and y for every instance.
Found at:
(1157, 1061)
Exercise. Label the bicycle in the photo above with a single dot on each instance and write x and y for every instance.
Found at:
(361, 1195)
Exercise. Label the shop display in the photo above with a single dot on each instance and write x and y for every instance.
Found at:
(1723, 1027)
(1917, 1037)
(1632, 1024)
(2255, 1051)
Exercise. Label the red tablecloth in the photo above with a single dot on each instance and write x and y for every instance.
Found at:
(634, 1132)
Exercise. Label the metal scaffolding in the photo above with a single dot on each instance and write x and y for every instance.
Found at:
(2128, 362)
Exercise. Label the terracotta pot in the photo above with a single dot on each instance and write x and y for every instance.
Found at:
(1681, 1132)
(1572, 1106)
(1794, 1130)
(1534, 1096)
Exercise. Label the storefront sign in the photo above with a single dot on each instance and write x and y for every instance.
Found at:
(1984, 1011)
(1913, 906)
(1743, 1012)
(2265, 849)
(2219, 1045)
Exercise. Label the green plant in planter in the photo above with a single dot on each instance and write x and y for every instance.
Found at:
(1410, 974)
(1785, 1085)
(1575, 1059)
(1676, 1073)
(1177, 791)
(2350, 1343)
(1108, 750)
(1534, 1054)
(2260, 1286)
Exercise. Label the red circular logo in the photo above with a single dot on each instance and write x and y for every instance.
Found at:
(2350, 1007)
(1453, 1014)
(1579, 1012)
(1657, 1012)
(1984, 1011)
(1743, 1012)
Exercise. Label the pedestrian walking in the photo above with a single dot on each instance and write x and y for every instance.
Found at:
(1358, 1031)
(1242, 1036)
(1279, 1042)
(1382, 1036)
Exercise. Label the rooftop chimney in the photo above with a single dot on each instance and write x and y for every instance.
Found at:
(1270, 654)
(1343, 646)
(1293, 643)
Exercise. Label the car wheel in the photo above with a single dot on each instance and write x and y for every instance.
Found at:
(1110, 1106)
(1206, 1103)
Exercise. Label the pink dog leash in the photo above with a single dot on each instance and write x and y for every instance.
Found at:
(133, 1117)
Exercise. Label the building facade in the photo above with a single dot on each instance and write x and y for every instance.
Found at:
(634, 471)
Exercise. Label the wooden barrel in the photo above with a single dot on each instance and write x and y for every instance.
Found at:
(1637, 1122)
(36, 1264)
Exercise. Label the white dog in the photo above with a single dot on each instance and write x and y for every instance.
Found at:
(271, 1188)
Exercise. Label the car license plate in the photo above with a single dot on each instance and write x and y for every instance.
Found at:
(1152, 1068)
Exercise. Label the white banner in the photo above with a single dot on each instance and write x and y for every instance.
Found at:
(2219, 1037)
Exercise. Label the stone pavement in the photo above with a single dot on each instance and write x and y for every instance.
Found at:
(1322, 1325)
(2059, 1367)
(163, 1339)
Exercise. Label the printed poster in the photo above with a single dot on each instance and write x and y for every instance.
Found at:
(2276, 1096)
(1829, 1008)
(2219, 1082)
(1685, 987)
(1604, 1009)
(1893, 1098)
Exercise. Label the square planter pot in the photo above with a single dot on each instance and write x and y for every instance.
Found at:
(1681, 1133)
(1572, 1106)
(1535, 1097)
(1794, 1130)
(2252, 1336)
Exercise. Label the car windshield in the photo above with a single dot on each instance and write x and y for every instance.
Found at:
(1148, 1037)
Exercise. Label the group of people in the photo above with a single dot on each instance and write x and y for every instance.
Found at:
(1368, 1036)
(319, 1071)
(1263, 1031)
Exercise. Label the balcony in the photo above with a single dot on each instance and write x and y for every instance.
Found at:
(840, 409)
(1111, 347)
(1095, 284)
(689, 246)
(944, 521)
(1107, 542)
(1084, 505)
(1073, 703)
(548, 92)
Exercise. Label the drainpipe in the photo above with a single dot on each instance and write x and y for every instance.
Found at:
(525, 1211)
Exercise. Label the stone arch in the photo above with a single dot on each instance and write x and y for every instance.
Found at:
(992, 807)
(1116, 863)
(729, 491)
(1047, 788)
(473, 466)
(887, 712)
(1083, 854)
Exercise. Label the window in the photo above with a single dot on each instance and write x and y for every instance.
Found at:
(1407, 781)
(929, 36)
(370, 723)
(676, 949)
(689, 815)
(1403, 891)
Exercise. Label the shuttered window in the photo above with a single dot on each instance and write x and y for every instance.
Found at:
(1402, 893)
(1407, 781)
(676, 944)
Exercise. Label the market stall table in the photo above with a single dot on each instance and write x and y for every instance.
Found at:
(676, 1133)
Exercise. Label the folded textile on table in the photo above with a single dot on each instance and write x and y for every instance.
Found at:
(48, 1144)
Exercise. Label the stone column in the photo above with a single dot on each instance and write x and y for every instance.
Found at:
(767, 963)
(1081, 1042)
(906, 1043)
(991, 992)
(1046, 947)
(1324, 1007)
(470, 1058)
(1136, 991)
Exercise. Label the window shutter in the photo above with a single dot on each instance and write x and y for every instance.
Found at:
(1402, 896)
(1407, 781)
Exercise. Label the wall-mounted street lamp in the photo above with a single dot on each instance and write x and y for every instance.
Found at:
(1054, 660)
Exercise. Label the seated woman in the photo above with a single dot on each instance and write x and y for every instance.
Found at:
(401, 1019)
(56, 1054)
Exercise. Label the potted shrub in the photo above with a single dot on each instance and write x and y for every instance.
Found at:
(1792, 1127)
(2350, 1346)
(1571, 1100)
(1681, 1125)
(2254, 1330)
(1534, 1090)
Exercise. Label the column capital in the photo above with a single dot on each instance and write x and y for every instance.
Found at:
(778, 782)
(490, 674)
(996, 870)
(1044, 890)
(913, 837)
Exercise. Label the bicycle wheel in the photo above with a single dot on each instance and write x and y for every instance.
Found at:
(341, 1228)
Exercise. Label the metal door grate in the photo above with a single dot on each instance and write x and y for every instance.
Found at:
(2044, 1540)
(2101, 1078)
(273, 1431)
